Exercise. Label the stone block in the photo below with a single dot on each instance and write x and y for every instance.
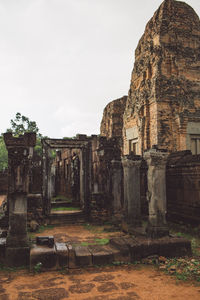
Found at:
(174, 247)
(135, 248)
(72, 257)
(45, 241)
(2, 249)
(123, 249)
(149, 247)
(17, 222)
(62, 254)
(83, 256)
(100, 255)
(17, 257)
(44, 255)
(117, 256)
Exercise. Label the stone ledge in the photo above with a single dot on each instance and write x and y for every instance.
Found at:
(124, 249)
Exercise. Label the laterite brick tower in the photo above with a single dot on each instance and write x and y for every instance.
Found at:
(163, 105)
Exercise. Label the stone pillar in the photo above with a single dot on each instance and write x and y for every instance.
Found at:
(47, 182)
(20, 150)
(156, 195)
(117, 185)
(132, 205)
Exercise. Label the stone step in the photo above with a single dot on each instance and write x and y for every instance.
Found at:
(120, 249)
(64, 204)
(66, 218)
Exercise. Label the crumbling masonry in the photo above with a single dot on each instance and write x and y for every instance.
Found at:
(144, 165)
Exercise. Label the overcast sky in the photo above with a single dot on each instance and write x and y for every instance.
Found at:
(62, 61)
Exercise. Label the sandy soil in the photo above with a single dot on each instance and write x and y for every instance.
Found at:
(2, 198)
(77, 233)
(108, 283)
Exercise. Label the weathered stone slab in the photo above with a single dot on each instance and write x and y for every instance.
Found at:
(100, 255)
(123, 249)
(149, 247)
(174, 247)
(62, 253)
(45, 241)
(16, 257)
(134, 248)
(2, 247)
(83, 256)
(71, 257)
(44, 255)
(116, 254)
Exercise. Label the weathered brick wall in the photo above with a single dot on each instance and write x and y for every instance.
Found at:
(112, 121)
(183, 187)
(4, 182)
(104, 150)
(164, 93)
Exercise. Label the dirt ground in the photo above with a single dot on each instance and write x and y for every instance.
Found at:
(125, 282)
(2, 198)
(106, 283)
(79, 233)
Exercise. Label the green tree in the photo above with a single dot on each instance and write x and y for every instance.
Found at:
(3, 155)
(19, 126)
(22, 124)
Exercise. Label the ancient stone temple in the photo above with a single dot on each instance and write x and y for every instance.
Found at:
(163, 105)
(112, 121)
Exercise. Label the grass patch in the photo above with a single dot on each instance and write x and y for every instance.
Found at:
(103, 241)
(65, 208)
(93, 228)
(101, 228)
(42, 228)
(12, 269)
(188, 232)
(61, 198)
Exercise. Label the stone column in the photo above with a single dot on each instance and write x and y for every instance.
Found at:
(132, 205)
(117, 185)
(156, 195)
(46, 181)
(20, 150)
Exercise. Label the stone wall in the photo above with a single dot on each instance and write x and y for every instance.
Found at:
(164, 95)
(35, 182)
(112, 121)
(4, 182)
(104, 151)
(63, 172)
(183, 187)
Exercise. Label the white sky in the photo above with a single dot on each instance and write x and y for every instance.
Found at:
(62, 61)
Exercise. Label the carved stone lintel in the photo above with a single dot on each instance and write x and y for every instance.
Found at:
(131, 162)
(156, 158)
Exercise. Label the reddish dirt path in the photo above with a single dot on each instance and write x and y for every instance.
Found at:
(78, 233)
(108, 283)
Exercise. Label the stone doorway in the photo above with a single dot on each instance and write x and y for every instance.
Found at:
(68, 173)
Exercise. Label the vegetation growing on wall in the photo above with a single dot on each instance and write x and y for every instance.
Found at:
(3, 155)
(19, 125)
